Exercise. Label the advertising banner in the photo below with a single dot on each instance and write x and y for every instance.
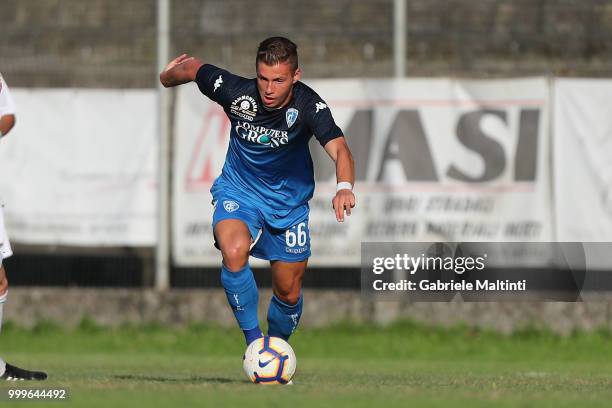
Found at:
(436, 160)
(79, 168)
(583, 159)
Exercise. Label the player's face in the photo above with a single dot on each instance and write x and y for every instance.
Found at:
(275, 83)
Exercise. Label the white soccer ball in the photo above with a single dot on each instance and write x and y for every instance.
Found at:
(269, 360)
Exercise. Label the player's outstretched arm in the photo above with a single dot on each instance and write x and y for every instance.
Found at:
(180, 70)
(344, 200)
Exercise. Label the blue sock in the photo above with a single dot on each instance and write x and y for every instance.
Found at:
(251, 335)
(283, 318)
(243, 297)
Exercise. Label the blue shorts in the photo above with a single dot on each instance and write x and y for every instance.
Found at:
(290, 244)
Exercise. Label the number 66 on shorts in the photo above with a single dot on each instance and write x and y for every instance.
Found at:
(290, 245)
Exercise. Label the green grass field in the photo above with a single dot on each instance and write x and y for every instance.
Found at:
(343, 366)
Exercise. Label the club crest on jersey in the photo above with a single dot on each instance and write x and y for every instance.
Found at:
(244, 107)
(230, 205)
(291, 116)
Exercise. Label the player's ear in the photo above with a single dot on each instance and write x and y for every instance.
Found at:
(297, 75)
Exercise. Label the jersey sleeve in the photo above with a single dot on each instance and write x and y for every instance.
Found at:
(321, 121)
(7, 106)
(217, 84)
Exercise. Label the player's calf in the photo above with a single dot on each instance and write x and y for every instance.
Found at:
(243, 297)
(283, 318)
(290, 298)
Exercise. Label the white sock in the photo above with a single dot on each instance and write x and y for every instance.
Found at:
(2, 300)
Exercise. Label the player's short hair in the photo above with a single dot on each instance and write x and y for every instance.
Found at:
(275, 50)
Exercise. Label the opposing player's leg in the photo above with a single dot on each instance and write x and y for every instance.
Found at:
(286, 304)
(235, 228)
(8, 371)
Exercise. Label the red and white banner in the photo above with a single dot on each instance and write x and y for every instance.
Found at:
(436, 160)
(79, 168)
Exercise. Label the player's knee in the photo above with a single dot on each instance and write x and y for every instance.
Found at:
(235, 255)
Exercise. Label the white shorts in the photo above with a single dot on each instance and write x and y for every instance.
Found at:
(5, 245)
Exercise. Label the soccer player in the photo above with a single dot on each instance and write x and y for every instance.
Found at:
(261, 197)
(7, 121)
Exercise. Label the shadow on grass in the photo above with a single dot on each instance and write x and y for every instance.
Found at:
(192, 380)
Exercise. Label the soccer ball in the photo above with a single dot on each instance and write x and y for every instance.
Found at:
(269, 360)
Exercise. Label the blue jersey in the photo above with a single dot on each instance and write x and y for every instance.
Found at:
(268, 157)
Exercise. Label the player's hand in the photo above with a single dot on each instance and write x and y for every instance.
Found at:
(343, 201)
(180, 70)
(181, 59)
